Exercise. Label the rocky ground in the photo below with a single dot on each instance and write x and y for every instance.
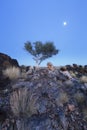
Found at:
(43, 99)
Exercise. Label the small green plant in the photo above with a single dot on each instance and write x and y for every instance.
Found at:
(12, 72)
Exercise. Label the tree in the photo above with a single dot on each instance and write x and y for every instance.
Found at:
(40, 51)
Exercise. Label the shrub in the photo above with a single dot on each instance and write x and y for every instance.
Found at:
(80, 98)
(83, 79)
(12, 72)
(62, 98)
(73, 74)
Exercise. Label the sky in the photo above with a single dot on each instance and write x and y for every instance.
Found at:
(63, 22)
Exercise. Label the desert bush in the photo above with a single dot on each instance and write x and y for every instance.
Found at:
(23, 103)
(23, 75)
(73, 74)
(85, 113)
(12, 72)
(62, 98)
(83, 79)
(80, 98)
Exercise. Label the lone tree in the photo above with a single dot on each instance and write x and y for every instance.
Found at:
(40, 51)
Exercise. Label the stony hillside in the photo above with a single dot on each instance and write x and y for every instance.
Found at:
(44, 99)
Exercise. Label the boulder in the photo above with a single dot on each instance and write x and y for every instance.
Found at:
(7, 61)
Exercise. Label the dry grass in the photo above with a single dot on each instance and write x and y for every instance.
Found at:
(23, 75)
(85, 113)
(23, 103)
(80, 98)
(83, 79)
(62, 98)
(12, 72)
(73, 74)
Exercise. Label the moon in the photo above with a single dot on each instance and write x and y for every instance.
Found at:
(64, 23)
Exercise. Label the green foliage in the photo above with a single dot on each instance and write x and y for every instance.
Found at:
(41, 51)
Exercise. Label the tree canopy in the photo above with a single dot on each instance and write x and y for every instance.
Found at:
(41, 51)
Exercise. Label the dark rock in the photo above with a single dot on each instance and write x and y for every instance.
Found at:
(69, 67)
(15, 63)
(3, 115)
(75, 65)
(4, 81)
(85, 66)
(7, 61)
(45, 100)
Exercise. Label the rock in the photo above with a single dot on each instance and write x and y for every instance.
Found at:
(75, 65)
(68, 67)
(85, 67)
(44, 100)
(7, 61)
(71, 107)
(69, 83)
(85, 86)
(4, 82)
(5, 85)
(3, 115)
(50, 66)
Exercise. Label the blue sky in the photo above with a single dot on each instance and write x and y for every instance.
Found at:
(33, 20)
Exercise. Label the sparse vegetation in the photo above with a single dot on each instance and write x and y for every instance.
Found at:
(12, 72)
(73, 74)
(83, 79)
(62, 98)
(22, 103)
(79, 97)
